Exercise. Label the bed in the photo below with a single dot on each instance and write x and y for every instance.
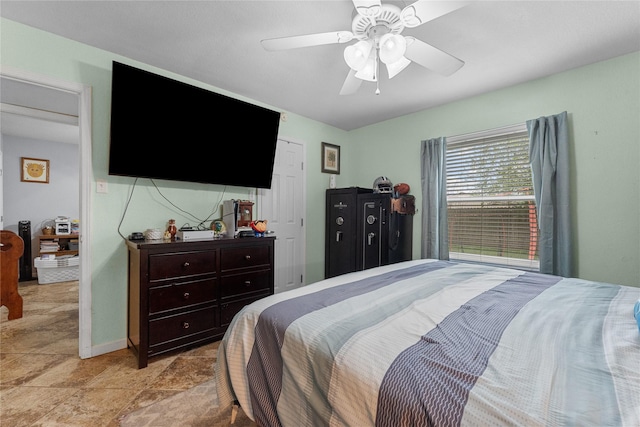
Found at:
(437, 343)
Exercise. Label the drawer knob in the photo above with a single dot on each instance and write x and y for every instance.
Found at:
(247, 257)
(185, 325)
(247, 282)
(186, 295)
(186, 264)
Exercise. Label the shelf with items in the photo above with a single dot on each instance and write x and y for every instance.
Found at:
(58, 244)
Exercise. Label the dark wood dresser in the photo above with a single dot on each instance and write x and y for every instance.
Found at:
(184, 294)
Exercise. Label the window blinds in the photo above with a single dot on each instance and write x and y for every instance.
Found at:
(491, 206)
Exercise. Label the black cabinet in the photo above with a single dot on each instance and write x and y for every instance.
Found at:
(341, 228)
(363, 230)
(372, 236)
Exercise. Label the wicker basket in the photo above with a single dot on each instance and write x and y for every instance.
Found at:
(153, 234)
(57, 269)
(47, 231)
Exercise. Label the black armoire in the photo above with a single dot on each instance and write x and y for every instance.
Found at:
(365, 229)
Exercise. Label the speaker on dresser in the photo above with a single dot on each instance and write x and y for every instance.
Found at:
(24, 231)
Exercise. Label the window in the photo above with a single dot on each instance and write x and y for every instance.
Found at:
(490, 202)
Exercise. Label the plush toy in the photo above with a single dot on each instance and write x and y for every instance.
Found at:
(259, 227)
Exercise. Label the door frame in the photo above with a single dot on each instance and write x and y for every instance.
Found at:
(84, 94)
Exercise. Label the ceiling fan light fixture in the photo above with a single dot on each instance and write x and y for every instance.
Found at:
(370, 70)
(396, 67)
(356, 55)
(376, 30)
(392, 48)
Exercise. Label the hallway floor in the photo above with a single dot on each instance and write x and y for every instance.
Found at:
(44, 382)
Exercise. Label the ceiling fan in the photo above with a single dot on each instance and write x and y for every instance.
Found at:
(378, 27)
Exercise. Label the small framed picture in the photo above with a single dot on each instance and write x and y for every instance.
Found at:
(330, 158)
(34, 170)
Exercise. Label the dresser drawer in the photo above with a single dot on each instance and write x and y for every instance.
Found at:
(230, 309)
(245, 283)
(181, 264)
(181, 325)
(179, 295)
(244, 257)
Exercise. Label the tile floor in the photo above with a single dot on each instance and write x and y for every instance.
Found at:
(43, 381)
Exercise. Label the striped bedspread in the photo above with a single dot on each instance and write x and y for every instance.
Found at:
(437, 343)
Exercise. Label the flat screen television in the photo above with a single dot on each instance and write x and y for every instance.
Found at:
(166, 129)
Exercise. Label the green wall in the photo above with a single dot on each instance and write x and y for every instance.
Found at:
(602, 100)
(39, 52)
(603, 103)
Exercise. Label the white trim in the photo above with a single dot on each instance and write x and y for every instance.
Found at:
(84, 94)
(86, 173)
(39, 114)
(505, 130)
(520, 263)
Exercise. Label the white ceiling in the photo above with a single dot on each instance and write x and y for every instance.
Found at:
(503, 43)
(38, 112)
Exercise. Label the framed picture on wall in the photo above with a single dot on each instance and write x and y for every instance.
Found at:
(330, 158)
(34, 170)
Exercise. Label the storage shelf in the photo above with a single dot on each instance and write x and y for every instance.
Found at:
(63, 241)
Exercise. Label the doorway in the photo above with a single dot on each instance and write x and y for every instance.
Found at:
(83, 94)
(283, 206)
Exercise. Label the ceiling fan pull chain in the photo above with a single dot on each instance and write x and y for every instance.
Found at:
(376, 74)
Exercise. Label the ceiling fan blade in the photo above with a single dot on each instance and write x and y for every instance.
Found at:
(426, 10)
(351, 84)
(432, 58)
(294, 42)
(368, 8)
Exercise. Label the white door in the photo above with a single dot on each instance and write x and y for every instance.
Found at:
(283, 208)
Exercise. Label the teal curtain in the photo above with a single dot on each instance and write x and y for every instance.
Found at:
(435, 232)
(549, 158)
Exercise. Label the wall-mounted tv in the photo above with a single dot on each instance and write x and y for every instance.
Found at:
(166, 129)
